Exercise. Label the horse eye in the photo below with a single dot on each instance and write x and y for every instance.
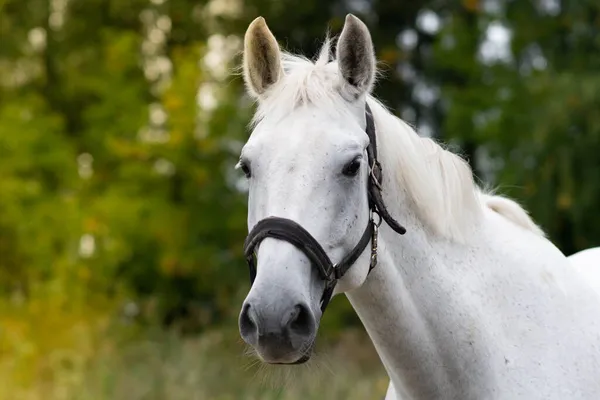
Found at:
(352, 168)
(245, 168)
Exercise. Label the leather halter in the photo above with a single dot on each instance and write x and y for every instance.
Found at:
(294, 233)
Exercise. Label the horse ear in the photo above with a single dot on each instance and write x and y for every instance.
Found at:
(356, 58)
(262, 58)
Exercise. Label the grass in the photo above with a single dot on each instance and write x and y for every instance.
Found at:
(215, 366)
(63, 354)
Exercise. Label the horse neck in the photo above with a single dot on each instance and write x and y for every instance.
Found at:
(472, 321)
(400, 302)
(390, 306)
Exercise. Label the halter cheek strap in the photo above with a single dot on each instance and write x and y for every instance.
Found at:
(294, 233)
(376, 175)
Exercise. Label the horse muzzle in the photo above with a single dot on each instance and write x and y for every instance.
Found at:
(280, 332)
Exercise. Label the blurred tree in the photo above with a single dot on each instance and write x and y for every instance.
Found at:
(117, 142)
(519, 80)
(120, 123)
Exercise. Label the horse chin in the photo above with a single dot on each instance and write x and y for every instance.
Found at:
(304, 357)
(299, 361)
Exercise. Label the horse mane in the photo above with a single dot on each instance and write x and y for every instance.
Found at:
(439, 182)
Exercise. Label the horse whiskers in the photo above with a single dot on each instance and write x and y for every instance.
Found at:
(251, 364)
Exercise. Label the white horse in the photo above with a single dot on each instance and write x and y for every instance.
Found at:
(473, 302)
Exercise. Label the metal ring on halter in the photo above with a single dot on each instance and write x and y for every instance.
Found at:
(373, 213)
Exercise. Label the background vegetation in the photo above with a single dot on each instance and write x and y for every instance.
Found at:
(122, 219)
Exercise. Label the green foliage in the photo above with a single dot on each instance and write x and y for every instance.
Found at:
(533, 116)
(103, 146)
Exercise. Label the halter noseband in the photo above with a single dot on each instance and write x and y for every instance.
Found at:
(294, 233)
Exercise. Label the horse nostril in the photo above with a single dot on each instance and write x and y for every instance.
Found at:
(247, 324)
(301, 321)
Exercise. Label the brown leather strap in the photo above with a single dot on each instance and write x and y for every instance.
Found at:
(375, 177)
(294, 233)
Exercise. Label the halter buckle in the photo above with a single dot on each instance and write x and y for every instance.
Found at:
(374, 238)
